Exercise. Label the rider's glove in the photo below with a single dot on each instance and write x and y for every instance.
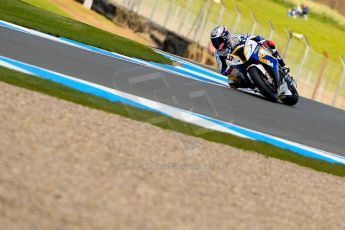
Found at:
(227, 71)
(264, 43)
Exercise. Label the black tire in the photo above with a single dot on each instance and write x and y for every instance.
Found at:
(259, 81)
(293, 99)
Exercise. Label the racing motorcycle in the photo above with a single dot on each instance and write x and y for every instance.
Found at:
(258, 69)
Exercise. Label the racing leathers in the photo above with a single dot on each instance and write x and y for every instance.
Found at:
(231, 44)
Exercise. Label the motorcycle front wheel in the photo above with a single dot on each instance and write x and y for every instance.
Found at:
(293, 99)
(268, 91)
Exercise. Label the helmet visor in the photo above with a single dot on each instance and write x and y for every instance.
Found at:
(217, 43)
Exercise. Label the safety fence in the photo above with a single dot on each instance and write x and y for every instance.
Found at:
(317, 76)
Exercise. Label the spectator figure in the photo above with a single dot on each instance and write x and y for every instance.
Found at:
(300, 11)
(305, 11)
(292, 12)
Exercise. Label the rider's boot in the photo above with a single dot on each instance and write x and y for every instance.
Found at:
(284, 68)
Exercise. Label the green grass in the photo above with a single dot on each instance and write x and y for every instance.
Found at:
(29, 16)
(319, 10)
(47, 5)
(62, 92)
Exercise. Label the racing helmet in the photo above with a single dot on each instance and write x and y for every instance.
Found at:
(220, 35)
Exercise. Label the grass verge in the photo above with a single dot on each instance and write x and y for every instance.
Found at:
(65, 93)
(47, 5)
(26, 15)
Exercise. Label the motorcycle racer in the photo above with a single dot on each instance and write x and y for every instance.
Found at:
(224, 43)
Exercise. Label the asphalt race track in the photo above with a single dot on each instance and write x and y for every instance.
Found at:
(309, 123)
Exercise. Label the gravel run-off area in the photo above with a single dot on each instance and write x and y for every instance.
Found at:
(65, 166)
